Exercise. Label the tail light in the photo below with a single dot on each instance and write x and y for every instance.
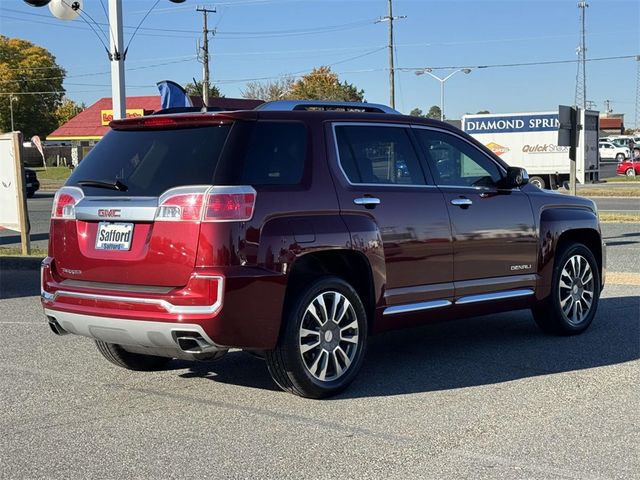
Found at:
(207, 203)
(64, 203)
(229, 204)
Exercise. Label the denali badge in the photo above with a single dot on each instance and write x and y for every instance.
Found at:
(71, 272)
(109, 212)
(520, 267)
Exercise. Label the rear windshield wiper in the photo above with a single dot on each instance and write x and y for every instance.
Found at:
(116, 185)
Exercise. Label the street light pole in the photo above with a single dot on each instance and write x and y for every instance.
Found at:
(116, 55)
(442, 81)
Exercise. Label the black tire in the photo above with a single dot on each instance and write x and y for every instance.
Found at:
(620, 157)
(131, 361)
(549, 313)
(538, 182)
(630, 172)
(290, 367)
(30, 194)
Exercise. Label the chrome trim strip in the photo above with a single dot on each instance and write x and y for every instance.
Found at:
(169, 307)
(140, 209)
(486, 297)
(127, 332)
(414, 307)
(158, 290)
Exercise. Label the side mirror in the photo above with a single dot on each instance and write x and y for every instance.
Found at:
(516, 177)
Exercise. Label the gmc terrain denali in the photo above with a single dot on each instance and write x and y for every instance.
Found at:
(296, 230)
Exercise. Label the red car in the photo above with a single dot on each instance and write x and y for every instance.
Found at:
(628, 167)
(296, 230)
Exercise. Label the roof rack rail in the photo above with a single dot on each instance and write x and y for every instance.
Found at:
(291, 105)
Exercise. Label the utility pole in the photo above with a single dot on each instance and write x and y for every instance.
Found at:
(205, 54)
(607, 107)
(392, 72)
(581, 76)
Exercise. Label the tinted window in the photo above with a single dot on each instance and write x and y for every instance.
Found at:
(384, 155)
(276, 154)
(152, 161)
(456, 162)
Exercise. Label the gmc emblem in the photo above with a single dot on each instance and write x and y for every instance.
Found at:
(109, 212)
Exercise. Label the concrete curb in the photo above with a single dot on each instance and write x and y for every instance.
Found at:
(19, 263)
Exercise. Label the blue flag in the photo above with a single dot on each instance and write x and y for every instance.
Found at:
(173, 95)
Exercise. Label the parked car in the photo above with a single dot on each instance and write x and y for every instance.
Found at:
(609, 151)
(32, 185)
(628, 167)
(297, 230)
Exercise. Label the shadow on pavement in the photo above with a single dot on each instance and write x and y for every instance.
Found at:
(466, 353)
(19, 277)
(34, 237)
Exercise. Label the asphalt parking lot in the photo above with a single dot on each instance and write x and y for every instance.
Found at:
(489, 397)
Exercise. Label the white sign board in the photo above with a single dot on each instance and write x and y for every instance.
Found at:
(13, 203)
(9, 198)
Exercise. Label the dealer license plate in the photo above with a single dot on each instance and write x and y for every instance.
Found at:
(114, 236)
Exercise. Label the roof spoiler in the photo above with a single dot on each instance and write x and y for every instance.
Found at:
(166, 111)
(296, 105)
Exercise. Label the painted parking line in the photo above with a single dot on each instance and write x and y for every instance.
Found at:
(622, 278)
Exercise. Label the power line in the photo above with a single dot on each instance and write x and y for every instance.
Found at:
(522, 64)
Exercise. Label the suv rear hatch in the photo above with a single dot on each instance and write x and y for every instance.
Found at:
(131, 212)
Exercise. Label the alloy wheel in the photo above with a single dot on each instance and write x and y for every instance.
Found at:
(328, 336)
(576, 289)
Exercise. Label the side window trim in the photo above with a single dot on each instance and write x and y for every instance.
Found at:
(425, 173)
(501, 169)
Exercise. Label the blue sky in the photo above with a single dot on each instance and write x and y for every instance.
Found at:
(269, 38)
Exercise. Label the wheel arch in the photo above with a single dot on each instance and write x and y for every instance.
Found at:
(560, 227)
(350, 265)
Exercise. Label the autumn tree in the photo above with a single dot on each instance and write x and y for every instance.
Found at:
(195, 89)
(268, 91)
(25, 69)
(434, 112)
(67, 110)
(322, 84)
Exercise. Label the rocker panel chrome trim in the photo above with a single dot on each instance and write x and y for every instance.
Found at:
(414, 307)
(487, 297)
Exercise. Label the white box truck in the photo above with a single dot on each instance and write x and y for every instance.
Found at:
(530, 140)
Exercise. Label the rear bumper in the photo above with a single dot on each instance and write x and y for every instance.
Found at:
(149, 316)
(139, 333)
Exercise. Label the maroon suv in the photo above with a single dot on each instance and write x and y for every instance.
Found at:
(296, 230)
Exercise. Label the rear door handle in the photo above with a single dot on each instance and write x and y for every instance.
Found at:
(462, 202)
(368, 202)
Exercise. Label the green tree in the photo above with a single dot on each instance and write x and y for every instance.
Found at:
(481, 112)
(67, 110)
(195, 89)
(25, 68)
(268, 91)
(416, 112)
(323, 84)
(434, 112)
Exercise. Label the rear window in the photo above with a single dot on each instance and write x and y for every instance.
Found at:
(149, 162)
(272, 153)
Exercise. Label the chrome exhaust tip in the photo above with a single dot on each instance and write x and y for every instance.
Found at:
(192, 342)
(55, 326)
